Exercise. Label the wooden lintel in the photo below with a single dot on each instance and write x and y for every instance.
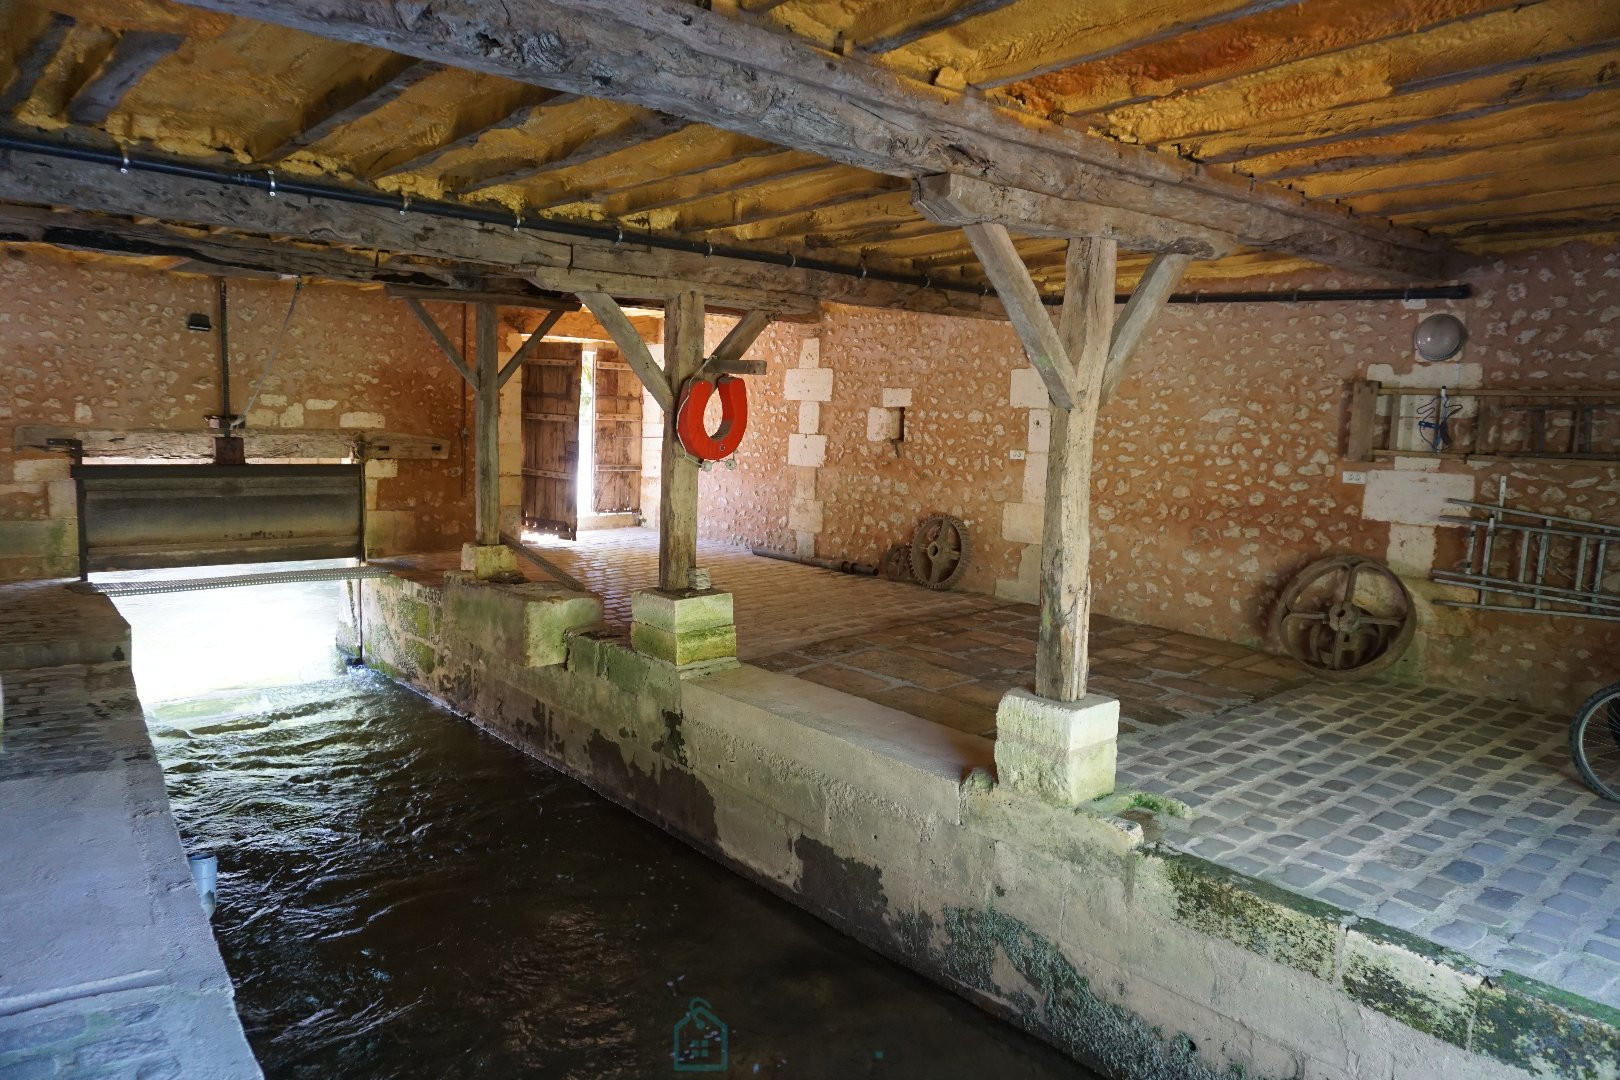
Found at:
(1152, 292)
(131, 58)
(485, 296)
(949, 199)
(168, 445)
(527, 349)
(634, 350)
(1025, 311)
(451, 353)
(735, 74)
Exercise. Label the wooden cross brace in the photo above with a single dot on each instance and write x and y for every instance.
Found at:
(1080, 360)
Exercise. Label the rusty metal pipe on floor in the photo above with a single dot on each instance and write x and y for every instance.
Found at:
(842, 566)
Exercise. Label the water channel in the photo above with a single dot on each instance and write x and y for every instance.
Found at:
(402, 895)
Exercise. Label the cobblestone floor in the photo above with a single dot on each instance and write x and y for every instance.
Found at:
(1456, 817)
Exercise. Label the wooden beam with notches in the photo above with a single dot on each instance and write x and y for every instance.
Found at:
(678, 58)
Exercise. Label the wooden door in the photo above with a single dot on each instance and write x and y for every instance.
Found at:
(618, 435)
(551, 439)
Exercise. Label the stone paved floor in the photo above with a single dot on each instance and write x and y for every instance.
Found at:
(1459, 818)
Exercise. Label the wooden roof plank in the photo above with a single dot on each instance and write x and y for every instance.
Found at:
(468, 132)
(672, 56)
(33, 60)
(643, 129)
(135, 53)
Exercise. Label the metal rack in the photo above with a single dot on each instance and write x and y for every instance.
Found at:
(1534, 563)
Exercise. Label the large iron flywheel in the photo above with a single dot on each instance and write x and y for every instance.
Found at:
(939, 551)
(1344, 617)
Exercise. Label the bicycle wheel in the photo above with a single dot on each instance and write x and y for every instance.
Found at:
(1594, 739)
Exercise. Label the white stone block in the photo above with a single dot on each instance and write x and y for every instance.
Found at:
(1411, 549)
(1412, 498)
(42, 470)
(1021, 522)
(1040, 430)
(804, 515)
(1060, 751)
(807, 450)
(382, 468)
(805, 544)
(804, 483)
(360, 420)
(894, 398)
(807, 384)
(882, 425)
(319, 404)
(810, 352)
(1027, 390)
(292, 416)
(1035, 478)
(809, 417)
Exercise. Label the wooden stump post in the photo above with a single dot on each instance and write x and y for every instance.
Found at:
(677, 505)
(486, 436)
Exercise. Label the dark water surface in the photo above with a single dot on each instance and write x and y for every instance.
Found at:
(402, 895)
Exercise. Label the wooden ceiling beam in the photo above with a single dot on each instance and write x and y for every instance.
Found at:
(33, 60)
(511, 297)
(798, 211)
(467, 132)
(553, 263)
(958, 200)
(675, 57)
(1549, 155)
(643, 129)
(1512, 184)
(349, 101)
(750, 180)
(135, 53)
(1564, 199)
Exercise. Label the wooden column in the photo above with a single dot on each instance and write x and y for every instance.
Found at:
(486, 435)
(1086, 328)
(677, 504)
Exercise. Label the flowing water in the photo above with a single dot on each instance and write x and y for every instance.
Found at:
(402, 895)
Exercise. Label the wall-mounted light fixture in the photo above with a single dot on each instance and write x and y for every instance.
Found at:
(1439, 337)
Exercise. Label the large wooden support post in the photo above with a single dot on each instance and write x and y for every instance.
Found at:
(1086, 328)
(677, 504)
(486, 435)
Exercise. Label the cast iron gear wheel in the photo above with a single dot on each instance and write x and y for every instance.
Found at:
(939, 551)
(896, 564)
(1345, 617)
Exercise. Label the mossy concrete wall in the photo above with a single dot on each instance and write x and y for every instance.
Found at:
(1139, 961)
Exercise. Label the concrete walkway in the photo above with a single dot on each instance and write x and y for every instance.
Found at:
(108, 967)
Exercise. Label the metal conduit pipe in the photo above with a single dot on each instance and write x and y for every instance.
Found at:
(269, 183)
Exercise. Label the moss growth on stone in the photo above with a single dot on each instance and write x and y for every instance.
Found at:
(1067, 1011)
(1262, 918)
(1546, 1031)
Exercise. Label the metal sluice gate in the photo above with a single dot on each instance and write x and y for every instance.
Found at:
(1535, 564)
(233, 581)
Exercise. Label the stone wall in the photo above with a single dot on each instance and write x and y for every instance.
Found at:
(1220, 462)
(96, 346)
(1144, 963)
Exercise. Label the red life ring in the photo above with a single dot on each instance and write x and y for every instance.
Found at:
(733, 417)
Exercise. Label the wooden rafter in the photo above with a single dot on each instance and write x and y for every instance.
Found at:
(803, 214)
(631, 347)
(697, 174)
(668, 55)
(349, 101)
(436, 332)
(530, 346)
(895, 35)
(1141, 310)
(33, 60)
(136, 52)
(641, 130)
(727, 358)
(720, 190)
(469, 131)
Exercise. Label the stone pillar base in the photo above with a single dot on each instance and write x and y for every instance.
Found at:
(1059, 751)
(485, 561)
(688, 628)
(528, 625)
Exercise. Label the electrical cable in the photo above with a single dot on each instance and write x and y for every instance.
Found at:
(1436, 416)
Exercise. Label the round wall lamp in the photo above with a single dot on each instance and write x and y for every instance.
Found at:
(1439, 337)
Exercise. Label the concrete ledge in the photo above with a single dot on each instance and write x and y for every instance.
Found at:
(1060, 751)
(525, 624)
(893, 755)
(485, 561)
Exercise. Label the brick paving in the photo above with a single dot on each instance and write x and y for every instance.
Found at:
(954, 670)
(779, 605)
(1458, 818)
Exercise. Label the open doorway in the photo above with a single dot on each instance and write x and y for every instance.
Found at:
(581, 440)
